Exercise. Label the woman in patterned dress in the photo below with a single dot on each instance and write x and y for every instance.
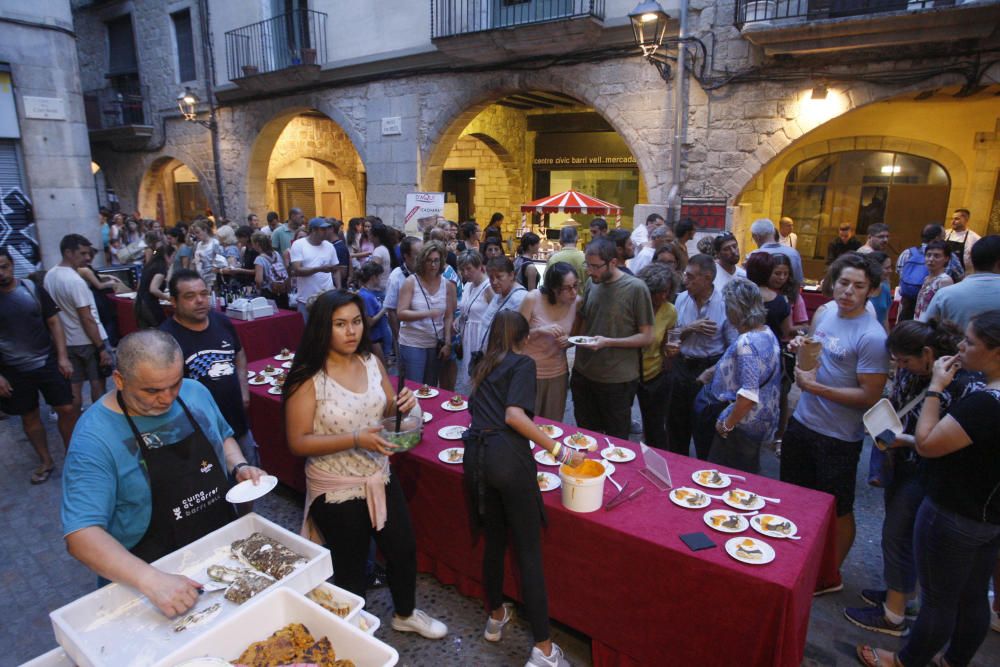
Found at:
(336, 396)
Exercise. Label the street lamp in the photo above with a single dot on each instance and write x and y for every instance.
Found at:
(649, 24)
(187, 102)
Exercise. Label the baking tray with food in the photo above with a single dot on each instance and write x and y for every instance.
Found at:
(239, 565)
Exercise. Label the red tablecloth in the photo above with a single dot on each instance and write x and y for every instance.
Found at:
(623, 577)
(267, 421)
(260, 338)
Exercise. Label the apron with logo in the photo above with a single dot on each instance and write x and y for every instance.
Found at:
(188, 487)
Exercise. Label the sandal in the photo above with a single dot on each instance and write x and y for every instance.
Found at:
(41, 476)
(868, 656)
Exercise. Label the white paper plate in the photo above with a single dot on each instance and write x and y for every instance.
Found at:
(246, 491)
(714, 519)
(551, 483)
(590, 443)
(608, 465)
(126, 295)
(766, 551)
(618, 454)
(446, 455)
(736, 498)
(431, 393)
(546, 459)
(274, 371)
(688, 492)
(286, 365)
(708, 479)
(285, 357)
(275, 390)
(427, 417)
(455, 408)
(582, 340)
(757, 524)
(261, 379)
(453, 432)
(551, 430)
(250, 374)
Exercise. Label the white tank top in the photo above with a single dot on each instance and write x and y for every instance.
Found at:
(421, 333)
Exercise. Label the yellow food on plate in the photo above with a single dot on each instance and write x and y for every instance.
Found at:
(543, 481)
(681, 494)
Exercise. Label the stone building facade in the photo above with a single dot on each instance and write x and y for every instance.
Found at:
(750, 116)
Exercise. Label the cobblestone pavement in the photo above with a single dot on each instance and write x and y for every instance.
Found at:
(38, 576)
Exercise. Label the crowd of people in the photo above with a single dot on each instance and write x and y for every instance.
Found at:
(705, 343)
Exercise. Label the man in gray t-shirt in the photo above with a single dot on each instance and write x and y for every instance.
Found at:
(822, 444)
(618, 313)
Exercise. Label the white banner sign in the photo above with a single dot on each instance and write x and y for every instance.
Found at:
(44, 108)
(422, 211)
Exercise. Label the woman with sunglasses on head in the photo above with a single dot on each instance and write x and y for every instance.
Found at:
(501, 480)
(426, 307)
(336, 395)
(956, 534)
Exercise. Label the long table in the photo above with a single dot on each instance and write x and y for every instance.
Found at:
(623, 577)
(261, 337)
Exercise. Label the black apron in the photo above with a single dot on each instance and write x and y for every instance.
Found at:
(188, 485)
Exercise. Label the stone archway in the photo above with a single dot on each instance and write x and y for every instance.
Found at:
(499, 185)
(172, 190)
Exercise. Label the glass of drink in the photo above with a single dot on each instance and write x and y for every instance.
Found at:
(673, 345)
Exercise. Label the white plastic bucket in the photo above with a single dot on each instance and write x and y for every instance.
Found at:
(582, 494)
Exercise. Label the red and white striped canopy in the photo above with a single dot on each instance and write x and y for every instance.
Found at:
(571, 201)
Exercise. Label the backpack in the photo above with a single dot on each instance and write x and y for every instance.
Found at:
(278, 275)
(911, 276)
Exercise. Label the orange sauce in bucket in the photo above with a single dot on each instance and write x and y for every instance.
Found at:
(589, 468)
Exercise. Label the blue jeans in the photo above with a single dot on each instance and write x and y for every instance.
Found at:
(955, 558)
(420, 364)
(902, 500)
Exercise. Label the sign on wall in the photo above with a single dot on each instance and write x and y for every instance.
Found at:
(44, 108)
(422, 211)
(581, 150)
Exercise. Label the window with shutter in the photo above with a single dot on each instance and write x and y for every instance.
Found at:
(296, 193)
(184, 38)
(121, 46)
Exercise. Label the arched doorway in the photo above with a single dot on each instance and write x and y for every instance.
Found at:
(500, 153)
(303, 159)
(171, 191)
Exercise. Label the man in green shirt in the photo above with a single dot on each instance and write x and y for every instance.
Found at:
(283, 234)
(569, 253)
(617, 313)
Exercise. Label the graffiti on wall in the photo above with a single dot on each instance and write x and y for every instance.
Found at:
(17, 231)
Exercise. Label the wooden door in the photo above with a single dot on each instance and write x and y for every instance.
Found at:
(330, 206)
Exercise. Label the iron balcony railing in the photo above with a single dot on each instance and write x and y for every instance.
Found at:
(460, 17)
(286, 40)
(754, 11)
(116, 106)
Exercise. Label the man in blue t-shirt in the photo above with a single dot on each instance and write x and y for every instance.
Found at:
(823, 441)
(212, 354)
(147, 472)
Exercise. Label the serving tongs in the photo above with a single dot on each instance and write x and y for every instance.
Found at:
(622, 498)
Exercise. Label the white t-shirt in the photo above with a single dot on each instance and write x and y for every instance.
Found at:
(70, 292)
(396, 278)
(641, 260)
(381, 255)
(310, 256)
(723, 277)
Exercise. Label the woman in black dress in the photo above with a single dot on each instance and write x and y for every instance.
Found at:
(501, 479)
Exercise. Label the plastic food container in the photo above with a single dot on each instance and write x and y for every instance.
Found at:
(882, 417)
(411, 428)
(583, 486)
(366, 622)
(54, 658)
(116, 625)
(342, 596)
(229, 638)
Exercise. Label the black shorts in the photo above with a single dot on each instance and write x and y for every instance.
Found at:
(817, 461)
(27, 384)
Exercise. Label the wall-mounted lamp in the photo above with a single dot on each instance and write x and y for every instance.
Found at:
(649, 27)
(187, 102)
(819, 92)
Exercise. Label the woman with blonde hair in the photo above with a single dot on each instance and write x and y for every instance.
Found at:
(425, 309)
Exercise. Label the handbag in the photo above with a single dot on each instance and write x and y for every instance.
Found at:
(882, 462)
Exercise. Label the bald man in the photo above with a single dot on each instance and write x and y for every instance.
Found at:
(147, 472)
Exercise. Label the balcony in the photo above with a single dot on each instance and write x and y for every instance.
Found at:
(118, 114)
(490, 30)
(280, 52)
(818, 26)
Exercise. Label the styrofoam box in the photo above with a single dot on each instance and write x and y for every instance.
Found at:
(372, 622)
(115, 625)
(356, 602)
(54, 658)
(229, 638)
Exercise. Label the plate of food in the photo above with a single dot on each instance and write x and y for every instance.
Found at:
(275, 390)
(453, 432)
(617, 454)
(427, 417)
(455, 404)
(286, 365)
(548, 482)
(246, 490)
(452, 455)
(284, 355)
(742, 499)
(773, 525)
(689, 498)
(582, 340)
(250, 374)
(713, 479)
(608, 466)
(125, 295)
(426, 392)
(551, 430)
(545, 458)
(270, 370)
(258, 380)
(750, 550)
(580, 441)
(726, 521)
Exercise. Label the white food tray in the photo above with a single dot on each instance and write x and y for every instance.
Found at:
(229, 638)
(372, 622)
(882, 417)
(356, 602)
(54, 658)
(115, 625)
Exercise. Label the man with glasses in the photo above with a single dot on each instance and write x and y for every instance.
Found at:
(617, 313)
(846, 241)
(705, 334)
(878, 239)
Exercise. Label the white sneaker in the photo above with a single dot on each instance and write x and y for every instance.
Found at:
(420, 623)
(494, 628)
(539, 659)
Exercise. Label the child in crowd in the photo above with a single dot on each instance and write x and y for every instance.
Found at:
(369, 277)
